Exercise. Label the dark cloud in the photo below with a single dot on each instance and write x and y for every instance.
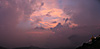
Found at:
(54, 22)
(84, 12)
(48, 14)
(66, 19)
(40, 28)
(42, 4)
(11, 13)
(75, 36)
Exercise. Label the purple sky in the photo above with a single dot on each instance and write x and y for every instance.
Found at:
(48, 23)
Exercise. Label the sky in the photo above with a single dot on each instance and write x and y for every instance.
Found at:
(48, 23)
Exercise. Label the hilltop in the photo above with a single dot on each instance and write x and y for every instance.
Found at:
(94, 43)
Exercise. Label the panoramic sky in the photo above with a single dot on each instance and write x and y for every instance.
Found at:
(48, 23)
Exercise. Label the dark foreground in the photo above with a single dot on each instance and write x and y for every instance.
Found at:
(94, 43)
(32, 47)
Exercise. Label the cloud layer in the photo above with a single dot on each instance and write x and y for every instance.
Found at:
(26, 22)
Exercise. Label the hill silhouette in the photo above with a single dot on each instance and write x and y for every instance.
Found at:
(94, 43)
(3, 47)
(31, 47)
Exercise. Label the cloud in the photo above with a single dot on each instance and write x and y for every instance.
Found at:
(48, 13)
(23, 22)
(11, 13)
(54, 22)
(84, 17)
(83, 12)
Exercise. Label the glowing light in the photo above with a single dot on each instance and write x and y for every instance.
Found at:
(48, 13)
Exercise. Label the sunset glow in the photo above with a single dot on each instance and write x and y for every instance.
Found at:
(48, 23)
(48, 15)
